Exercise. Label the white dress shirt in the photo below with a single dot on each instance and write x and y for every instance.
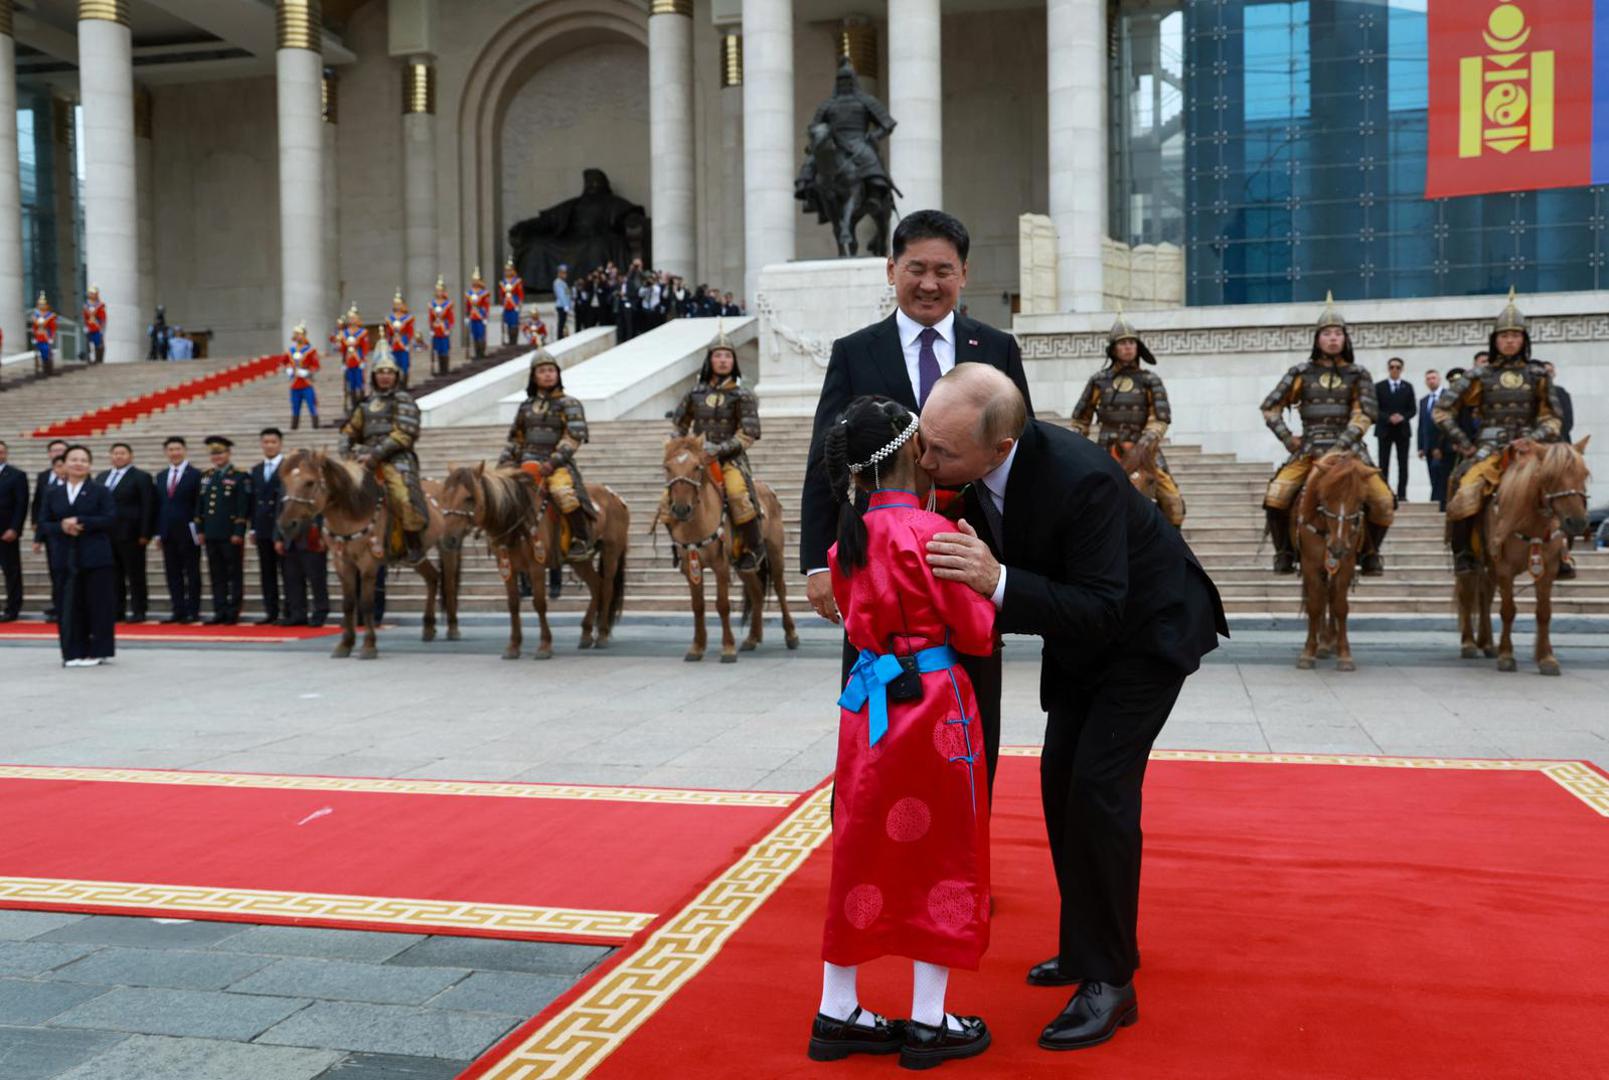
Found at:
(994, 486)
(176, 473)
(114, 476)
(271, 466)
(910, 341)
(73, 490)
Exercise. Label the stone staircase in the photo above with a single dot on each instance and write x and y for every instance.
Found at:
(1224, 524)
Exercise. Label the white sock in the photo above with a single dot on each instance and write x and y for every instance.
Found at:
(927, 993)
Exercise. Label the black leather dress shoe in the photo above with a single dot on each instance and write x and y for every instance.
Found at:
(834, 1040)
(1049, 974)
(216, 620)
(137, 617)
(927, 1046)
(1092, 1016)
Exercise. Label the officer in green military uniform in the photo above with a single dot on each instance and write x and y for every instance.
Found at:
(223, 513)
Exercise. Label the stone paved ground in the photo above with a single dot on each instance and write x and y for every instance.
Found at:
(136, 999)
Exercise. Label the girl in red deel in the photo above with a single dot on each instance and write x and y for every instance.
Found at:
(910, 870)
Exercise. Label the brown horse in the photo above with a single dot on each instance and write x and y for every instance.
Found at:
(510, 510)
(1540, 504)
(356, 525)
(1327, 532)
(702, 541)
(1139, 462)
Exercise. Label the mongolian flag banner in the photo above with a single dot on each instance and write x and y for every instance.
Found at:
(1519, 95)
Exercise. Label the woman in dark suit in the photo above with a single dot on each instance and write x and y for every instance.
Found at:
(78, 520)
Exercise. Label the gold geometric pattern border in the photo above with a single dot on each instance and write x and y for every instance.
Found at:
(1576, 777)
(578, 1039)
(390, 911)
(482, 789)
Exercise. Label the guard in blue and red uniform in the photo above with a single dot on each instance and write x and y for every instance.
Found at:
(42, 322)
(477, 311)
(353, 341)
(441, 326)
(95, 324)
(301, 365)
(398, 329)
(511, 291)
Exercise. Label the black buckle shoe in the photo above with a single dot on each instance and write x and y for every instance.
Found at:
(1049, 974)
(1092, 1016)
(1465, 563)
(1373, 566)
(1566, 570)
(927, 1046)
(834, 1040)
(1284, 562)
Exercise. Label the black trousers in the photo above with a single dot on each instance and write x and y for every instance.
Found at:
(269, 569)
(133, 594)
(559, 328)
(984, 671)
(11, 567)
(181, 563)
(226, 566)
(1397, 437)
(88, 618)
(1439, 471)
(1090, 776)
(306, 571)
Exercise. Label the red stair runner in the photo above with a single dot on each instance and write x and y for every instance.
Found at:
(107, 417)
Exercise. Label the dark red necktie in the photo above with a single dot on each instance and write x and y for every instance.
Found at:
(927, 366)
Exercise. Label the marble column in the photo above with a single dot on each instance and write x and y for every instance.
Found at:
(145, 195)
(304, 293)
(770, 138)
(1076, 32)
(12, 301)
(731, 160)
(670, 135)
(330, 100)
(111, 217)
(420, 257)
(916, 101)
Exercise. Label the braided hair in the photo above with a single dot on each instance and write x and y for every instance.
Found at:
(867, 425)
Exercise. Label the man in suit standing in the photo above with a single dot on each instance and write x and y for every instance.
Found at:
(265, 492)
(79, 516)
(176, 489)
(223, 510)
(1068, 550)
(50, 476)
(1396, 399)
(13, 517)
(305, 562)
(902, 357)
(134, 495)
(1433, 447)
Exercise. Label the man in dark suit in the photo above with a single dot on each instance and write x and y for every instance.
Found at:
(1397, 405)
(305, 562)
(265, 492)
(135, 497)
(13, 518)
(50, 476)
(1070, 551)
(177, 488)
(1434, 449)
(902, 357)
(79, 516)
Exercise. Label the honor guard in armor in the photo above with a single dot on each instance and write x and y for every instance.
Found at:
(547, 431)
(95, 324)
(441, 326)
(1132, 406)
(381, 434)
(398, 330)
(511, 293)
(1513, 403)
(1334, 396)
(727, 414)
(477, 309)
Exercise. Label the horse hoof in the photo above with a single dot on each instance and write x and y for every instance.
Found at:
(340, 652)
(453, 634)
(748, 646)
(793, 641)
(511, 653)
(369, 653)
(1468, 652)
(1323, 653)
(693, 657)
(1506, 663)
(584, 643)
(1548, 667)
(429, 634)
(729, 658)
(1346, 665)
(1306, 663)
(601, 643)
(542, 654)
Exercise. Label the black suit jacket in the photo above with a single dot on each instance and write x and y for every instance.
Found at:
(135, 498)
(1093, 568)
(1430, 436)
(1403, 401)
(13, 499)
(174, 516)
(871, 361)
(41, 485)
(265, 495)
(95, 511)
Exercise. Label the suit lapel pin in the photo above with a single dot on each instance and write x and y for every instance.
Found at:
(973, 342)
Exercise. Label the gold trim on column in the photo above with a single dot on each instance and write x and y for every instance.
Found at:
(5, 17)
(418, 88)
(857, 39)
(671, 7)
(106, 10)
(298, 24)
(330, 96)
(731, 58)
(142, 112)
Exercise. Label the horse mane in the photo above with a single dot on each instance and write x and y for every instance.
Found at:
(693, 444)
(1329, 473)
(352, 490)
(507, 501)
(1522, 488)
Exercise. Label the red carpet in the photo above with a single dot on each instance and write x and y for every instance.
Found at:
(39, 630)
(110, 416)
(511, 860)
(1297, 921)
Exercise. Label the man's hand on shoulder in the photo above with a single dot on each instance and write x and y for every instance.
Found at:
(964, 557)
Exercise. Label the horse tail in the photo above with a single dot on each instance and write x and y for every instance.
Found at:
(617, 602)
(750, 608)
